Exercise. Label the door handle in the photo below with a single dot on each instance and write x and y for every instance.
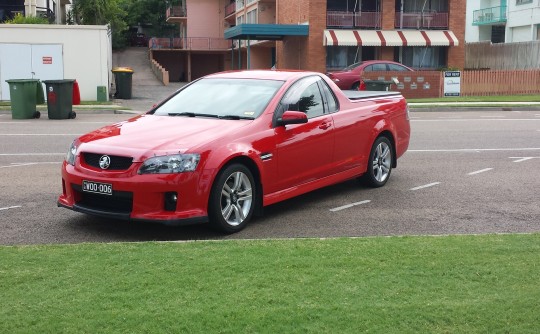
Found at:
(324, 126)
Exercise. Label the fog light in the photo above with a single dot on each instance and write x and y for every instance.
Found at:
(170, 201)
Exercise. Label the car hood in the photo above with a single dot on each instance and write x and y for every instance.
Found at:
(148, 135)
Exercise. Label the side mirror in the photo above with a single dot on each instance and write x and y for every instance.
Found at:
(292, 117)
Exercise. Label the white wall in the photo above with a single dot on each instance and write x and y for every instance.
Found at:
(522, 21)
(87, 51)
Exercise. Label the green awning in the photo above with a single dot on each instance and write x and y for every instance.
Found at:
(266, 31)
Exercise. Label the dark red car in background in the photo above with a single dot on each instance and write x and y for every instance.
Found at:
(351, 76)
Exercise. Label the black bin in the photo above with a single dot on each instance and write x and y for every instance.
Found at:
(123, 78)
(60, 98)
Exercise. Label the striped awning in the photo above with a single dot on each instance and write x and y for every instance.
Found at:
(389, 38)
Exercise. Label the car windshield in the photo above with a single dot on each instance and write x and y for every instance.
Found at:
(221, 98)
(353, 66)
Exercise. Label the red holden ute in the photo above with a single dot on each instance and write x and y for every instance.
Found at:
(226, 145)
(351, 76)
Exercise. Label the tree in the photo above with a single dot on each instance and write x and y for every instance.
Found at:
(149, 14)
(102, 12)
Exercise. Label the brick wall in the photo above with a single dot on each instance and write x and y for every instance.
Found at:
(388, 14)
(291, 53)
(456, 21)
(418, 84)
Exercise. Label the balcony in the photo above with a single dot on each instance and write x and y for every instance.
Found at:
(230, 9)
(489, 16)
(176, 14)
(191, 43)
(421, 20)
(364, 20)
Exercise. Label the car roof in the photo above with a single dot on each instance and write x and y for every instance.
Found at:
(282, 75)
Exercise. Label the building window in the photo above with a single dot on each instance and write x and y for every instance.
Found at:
(251, 16)
(239, 4)
(424, 58)
(250, 1)
(339, 57)
(240, 20)
(523, 2)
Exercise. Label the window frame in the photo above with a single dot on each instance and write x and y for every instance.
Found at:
(280, 109)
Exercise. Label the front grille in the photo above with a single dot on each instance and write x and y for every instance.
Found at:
(117, 162)
(118, 202)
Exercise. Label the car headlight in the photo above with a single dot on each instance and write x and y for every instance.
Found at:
(71, 154)
(169, 164)
(335, 79)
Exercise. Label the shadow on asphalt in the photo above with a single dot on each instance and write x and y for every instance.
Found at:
(99, 229)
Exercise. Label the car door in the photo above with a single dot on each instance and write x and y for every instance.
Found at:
(304, 151)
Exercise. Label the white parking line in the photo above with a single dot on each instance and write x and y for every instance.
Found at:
(521, 159)
(480, 149)
(29, 164)
(40, 134)
(480, 171)
(426, 186)
(28, 154)
(349, 205)
(11, 207)
(492, 116)
(474, 119)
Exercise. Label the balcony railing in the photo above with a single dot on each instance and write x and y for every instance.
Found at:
(230, 9)
(366, 20)
(421, 20)
(489, 15)
(190, 43)
(176, 11)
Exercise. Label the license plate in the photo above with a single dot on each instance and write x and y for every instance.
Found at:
(97, 187)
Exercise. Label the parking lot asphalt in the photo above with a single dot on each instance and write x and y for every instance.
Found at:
(465, 172)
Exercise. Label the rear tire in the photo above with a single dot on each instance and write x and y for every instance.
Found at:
(232, 199)
(379, 163)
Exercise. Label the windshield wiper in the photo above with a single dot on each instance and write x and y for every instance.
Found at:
(191, 114)
(235, 117)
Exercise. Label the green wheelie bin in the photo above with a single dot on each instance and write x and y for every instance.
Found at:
(123, 77)
(25, 95)
(60, 98)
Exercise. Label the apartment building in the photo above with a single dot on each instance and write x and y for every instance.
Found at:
(54, 10)
(503, 21)
(318, 35)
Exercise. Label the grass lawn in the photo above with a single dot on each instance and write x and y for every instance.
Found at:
(455, 284)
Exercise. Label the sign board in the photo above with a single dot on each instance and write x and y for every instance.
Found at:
(452, 83)
(47, 60)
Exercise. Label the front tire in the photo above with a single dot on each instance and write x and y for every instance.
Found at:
(232, 199)
(379, 164)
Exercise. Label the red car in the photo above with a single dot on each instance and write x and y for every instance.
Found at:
(351, 76)
(226, 145)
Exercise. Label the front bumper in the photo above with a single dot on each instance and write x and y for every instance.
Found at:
(137, 197)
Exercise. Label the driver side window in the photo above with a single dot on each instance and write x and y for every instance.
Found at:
(304, 96)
